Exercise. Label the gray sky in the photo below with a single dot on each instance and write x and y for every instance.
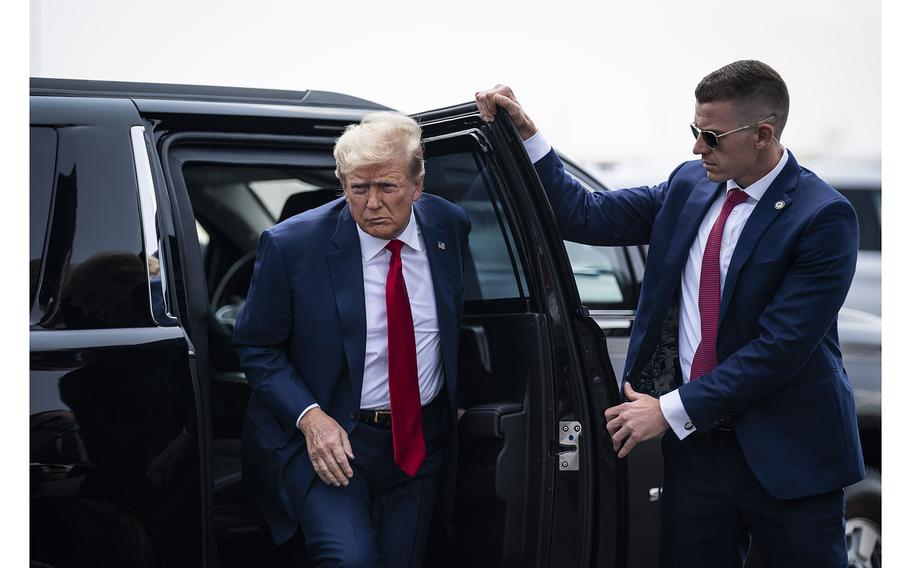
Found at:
(606, 81)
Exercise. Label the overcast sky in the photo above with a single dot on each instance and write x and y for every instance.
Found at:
(606, 81)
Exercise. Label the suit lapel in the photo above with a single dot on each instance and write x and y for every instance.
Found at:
(775, 200)
(346, 268)
(436, 242)
(693, 212)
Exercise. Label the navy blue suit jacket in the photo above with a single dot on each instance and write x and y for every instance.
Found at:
(780, 380)
(301, 338)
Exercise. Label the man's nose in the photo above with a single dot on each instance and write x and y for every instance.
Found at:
(374, 201)
(700, 147)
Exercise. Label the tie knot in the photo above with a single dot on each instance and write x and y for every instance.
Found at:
(395, 247)
(736, 196)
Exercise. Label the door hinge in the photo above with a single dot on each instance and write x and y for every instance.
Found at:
(566, 450)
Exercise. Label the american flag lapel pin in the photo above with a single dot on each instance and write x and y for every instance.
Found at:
(441, 246)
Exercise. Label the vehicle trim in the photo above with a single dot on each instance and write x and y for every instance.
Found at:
(79, 339)
(148, 206)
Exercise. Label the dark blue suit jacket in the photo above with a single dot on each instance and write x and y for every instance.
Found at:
(780, 380)
(301, 338)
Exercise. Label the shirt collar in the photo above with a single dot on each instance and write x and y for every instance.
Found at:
(370, 246)
(757, 189)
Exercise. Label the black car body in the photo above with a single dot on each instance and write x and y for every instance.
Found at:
(146, 205)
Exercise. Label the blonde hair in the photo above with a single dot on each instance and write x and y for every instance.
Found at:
(379, 138)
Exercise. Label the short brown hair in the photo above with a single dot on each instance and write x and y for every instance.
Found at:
(754, 87)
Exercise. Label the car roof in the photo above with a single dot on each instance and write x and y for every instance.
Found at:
(45, 86)
(847, 173)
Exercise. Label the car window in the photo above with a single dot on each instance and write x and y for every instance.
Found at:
(603, 274)
(234, 202)
(43, 154)
(274, 193)
(457, 171)
(94, 270)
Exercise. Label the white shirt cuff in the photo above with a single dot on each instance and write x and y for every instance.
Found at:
(305, 410)
(537, 147)
(675, 414)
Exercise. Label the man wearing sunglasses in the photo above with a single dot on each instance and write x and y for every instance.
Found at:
(734, 356)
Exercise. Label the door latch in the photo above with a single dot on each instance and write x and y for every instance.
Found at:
(567, 453)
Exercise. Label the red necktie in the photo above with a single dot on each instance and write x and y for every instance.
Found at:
(404, 392)
(705, 359)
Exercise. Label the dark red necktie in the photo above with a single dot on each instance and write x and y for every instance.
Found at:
(404, 392)
(705, 359)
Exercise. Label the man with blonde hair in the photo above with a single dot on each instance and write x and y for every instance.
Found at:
(349, 342)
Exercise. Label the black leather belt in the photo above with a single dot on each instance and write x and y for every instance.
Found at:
(383, 417)
(376, 417)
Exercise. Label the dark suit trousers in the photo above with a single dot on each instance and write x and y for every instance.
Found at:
(713, 507)
(382, 517)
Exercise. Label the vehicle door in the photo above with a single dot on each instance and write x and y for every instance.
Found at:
(609, 281)
(114, 435)
(538, 482)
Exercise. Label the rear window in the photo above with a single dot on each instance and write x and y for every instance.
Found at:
(43, 154)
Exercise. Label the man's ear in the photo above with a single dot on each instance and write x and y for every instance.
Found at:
(765, 136)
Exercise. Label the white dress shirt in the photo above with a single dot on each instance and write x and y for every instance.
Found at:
(421, 294)
(689, 317)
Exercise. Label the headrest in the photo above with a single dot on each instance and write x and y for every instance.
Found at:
(306, 200)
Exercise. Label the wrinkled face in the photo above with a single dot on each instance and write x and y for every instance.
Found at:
(737, 154)
(380, 197)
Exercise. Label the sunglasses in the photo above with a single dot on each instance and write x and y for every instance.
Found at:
(712, 139)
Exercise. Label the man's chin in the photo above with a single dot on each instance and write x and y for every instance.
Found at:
(385, 231)
(714, 177)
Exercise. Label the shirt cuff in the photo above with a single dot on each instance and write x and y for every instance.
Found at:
(675, 414)
(537, 147)
(305, 410)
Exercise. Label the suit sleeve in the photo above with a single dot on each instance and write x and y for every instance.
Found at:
(621, 217)
(262, 335)
(790, 327)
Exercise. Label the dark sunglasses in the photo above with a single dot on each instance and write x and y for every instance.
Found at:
(712, 139)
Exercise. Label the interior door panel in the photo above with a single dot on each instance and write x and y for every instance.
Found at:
(498, 462)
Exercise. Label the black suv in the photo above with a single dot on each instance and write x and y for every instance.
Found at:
(146, 206)
(147, 202)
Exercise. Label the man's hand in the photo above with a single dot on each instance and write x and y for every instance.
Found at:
(635, 421)
(328, 446)
(502, 96)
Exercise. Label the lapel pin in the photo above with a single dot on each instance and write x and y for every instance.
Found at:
(441, 245)
(780, 205)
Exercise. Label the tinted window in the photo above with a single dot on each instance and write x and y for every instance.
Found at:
(456, 170)
(43, 154)
(94, 272)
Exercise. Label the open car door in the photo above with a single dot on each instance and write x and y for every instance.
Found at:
(538, 482)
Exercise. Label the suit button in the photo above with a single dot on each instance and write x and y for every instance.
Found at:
(353, 416)
(689, 426)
